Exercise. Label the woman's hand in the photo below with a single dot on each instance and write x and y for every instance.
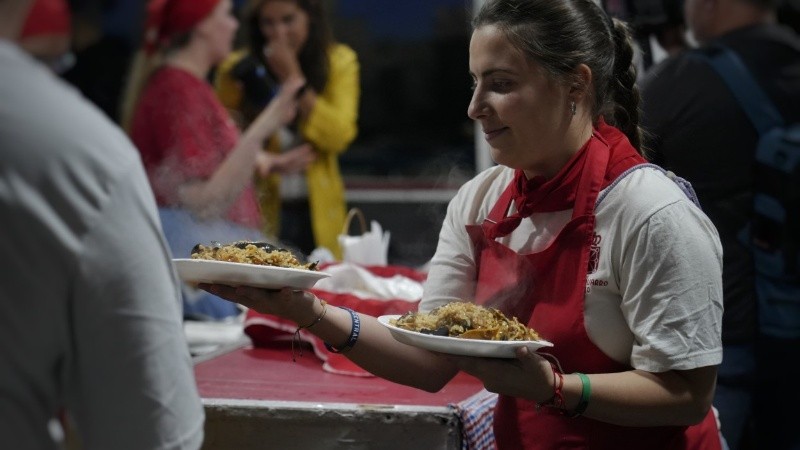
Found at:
(291, 161)
(529, 376)
(295, 160)
(282, 60)
(282, 108)
(292, 304)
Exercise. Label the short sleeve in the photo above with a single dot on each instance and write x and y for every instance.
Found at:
(671, 283)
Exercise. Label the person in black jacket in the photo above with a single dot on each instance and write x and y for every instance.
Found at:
(697, 129)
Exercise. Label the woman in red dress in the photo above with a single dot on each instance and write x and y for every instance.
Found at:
(199, 166)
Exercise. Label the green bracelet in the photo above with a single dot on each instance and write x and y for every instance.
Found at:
(586, 393)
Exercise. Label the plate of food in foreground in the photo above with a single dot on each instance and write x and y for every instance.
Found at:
(257, 264)
(462, 328)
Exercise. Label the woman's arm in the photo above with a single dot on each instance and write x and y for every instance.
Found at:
(639, 398)
(376, 351)
(632, 398)
(211, 197)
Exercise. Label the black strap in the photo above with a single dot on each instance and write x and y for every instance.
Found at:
(754, 101)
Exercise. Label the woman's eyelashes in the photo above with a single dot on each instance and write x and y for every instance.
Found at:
(500, 86)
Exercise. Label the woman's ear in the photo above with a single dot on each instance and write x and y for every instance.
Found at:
(581, 82)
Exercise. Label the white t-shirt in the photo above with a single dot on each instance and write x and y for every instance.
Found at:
(90, 317)
(655, 299)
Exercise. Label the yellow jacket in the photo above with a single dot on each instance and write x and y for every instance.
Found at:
(330, 129)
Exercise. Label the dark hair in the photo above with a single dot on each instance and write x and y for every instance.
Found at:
(767, 4)
(562, 34)
(313, 56)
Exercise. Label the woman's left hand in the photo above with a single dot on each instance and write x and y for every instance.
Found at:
(529, 376)
(288, 303)
(294, 160)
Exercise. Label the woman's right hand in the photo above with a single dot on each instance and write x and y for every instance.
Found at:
(282, 60)
(282, 108)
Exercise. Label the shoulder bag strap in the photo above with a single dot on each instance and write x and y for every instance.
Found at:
(745, 88)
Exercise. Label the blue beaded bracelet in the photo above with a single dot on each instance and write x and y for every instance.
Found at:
(354, 332)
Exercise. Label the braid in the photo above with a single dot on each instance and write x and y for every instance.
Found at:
(625, 93)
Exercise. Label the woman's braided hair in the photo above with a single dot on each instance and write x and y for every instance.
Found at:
(562, 34)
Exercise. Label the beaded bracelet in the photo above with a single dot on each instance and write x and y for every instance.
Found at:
(354, 332)
(296, 336)
(586, 393)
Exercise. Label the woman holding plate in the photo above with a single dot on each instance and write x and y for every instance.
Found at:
(572, 233)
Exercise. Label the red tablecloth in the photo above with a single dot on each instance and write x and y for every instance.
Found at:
(269, 374)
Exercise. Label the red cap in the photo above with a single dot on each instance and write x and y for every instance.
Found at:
(167, 18)
(47, 17)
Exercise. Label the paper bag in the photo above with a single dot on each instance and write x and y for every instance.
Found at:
(371, 248)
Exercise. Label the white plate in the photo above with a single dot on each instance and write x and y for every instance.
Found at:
(459, 346)
(239, 274)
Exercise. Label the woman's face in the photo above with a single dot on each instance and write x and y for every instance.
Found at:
(219, 29)
(523, 113)
(284, 21)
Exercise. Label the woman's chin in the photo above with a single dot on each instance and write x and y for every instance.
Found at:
(504, 159)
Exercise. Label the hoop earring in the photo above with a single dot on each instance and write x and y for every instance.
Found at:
(573, 107)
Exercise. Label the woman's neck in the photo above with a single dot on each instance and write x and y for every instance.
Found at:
(577, 135)
(190, 60)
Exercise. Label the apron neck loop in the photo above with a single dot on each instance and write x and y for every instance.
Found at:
(570, 188)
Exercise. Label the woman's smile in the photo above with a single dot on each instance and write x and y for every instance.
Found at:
(493, 133)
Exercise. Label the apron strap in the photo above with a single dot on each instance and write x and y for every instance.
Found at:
(592, 180)
(685, 186)
(499, 210)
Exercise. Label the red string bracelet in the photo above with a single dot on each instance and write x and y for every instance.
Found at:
(557, 400)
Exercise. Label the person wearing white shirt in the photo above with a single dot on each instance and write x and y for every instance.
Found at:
(90, 320)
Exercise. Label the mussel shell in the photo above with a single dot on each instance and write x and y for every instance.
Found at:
(441, 331)
(266, 246)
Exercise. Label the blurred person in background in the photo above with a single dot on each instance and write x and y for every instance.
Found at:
(697, 128)
(105, 35)
(90, 324)
(605, 256)
(199, 165)
(657, 25)
(671, 32)
(789, 14)
(287, 39)
(46, 34)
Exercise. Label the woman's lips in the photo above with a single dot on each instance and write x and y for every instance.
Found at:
(489, 135)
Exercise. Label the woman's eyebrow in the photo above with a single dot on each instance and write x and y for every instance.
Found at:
(493, 71)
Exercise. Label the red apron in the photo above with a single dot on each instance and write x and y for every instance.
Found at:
(548, 288)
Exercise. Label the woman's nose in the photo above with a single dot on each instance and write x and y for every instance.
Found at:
(477, 106)
(280, 31)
